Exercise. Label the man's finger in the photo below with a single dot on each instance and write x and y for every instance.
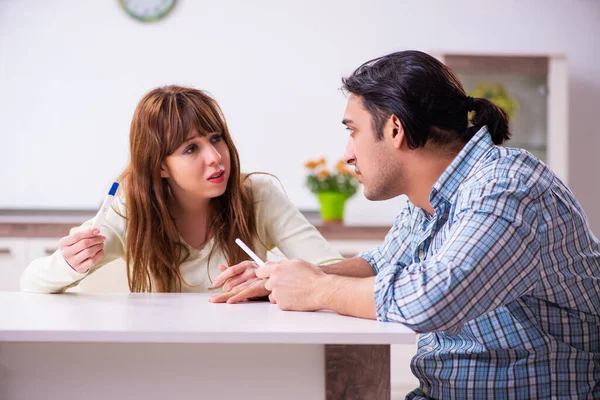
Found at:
(266, 271)
(268, 285)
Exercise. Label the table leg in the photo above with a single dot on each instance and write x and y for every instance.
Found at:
(357, 372)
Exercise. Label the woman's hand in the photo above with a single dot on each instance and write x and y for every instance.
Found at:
(241, 284)
(82, 250)
(236, 275)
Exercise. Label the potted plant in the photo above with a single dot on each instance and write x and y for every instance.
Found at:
(332, 188)
(499, 95)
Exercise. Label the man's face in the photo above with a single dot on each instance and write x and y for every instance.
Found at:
(376, 161)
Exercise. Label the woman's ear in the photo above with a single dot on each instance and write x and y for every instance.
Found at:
(164, 170)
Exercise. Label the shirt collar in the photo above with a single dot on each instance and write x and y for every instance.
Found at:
(462, 165)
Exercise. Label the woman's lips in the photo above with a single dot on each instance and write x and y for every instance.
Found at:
(217, 177)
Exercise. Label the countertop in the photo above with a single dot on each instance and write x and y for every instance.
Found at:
(178, 318)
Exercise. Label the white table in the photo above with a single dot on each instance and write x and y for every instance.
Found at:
(180, 346)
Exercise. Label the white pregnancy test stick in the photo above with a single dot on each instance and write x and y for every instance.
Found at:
(257, 260)
(99, 220)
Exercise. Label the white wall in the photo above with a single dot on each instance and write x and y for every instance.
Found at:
(71, 73)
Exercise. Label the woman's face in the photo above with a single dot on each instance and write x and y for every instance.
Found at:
(199, 168)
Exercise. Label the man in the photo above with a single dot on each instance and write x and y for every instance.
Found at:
(492, 261)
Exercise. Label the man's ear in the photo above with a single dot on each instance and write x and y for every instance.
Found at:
(164, 171)
(397, 131)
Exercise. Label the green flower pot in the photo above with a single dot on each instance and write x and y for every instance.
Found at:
(332, 206)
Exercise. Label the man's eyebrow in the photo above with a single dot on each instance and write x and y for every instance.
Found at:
(347, 121)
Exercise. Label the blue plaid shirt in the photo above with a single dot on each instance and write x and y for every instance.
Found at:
(503, 282)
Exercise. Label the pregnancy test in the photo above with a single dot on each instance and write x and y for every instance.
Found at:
(252, 255)
(99, 219)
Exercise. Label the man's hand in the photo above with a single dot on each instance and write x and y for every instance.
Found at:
(296, 285)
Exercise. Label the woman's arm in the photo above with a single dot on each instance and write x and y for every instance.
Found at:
(53, 274)
(283, 226)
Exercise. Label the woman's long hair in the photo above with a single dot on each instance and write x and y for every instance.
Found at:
(154, 251)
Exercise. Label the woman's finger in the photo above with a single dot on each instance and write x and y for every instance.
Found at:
(230, 272)
(255, 290)
(83, 255)
(70, 240)
(86, 243)
(221, 297)
(90, 262)
(239, 279)
(244, 285)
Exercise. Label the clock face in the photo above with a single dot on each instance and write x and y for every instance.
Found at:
(147, 10)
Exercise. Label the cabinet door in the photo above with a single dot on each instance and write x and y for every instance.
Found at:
(12, 263)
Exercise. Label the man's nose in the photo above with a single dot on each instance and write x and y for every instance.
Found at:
(349, 156)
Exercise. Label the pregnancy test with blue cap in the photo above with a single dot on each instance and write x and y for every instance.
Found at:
(99, 219)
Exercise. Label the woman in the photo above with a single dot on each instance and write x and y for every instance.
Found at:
(181, 204)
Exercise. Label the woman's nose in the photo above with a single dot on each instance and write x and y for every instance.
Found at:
(213, 156)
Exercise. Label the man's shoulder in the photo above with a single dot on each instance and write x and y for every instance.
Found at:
(505, 183)
(509, 169)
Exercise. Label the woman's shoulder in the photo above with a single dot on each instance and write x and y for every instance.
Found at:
(264, 186)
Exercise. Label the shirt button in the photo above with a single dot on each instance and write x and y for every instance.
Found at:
(425, 389)
(421, 255)
(429, 349)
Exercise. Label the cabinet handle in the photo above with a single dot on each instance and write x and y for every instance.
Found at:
(5, 251)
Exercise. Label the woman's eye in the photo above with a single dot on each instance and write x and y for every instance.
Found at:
(190, 149)
(216, 138)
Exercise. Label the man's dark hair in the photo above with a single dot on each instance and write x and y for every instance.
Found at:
(427, 98)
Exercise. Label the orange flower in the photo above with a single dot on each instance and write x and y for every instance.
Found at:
(323, 174)
(322, 161)
(341, 167)
(311, 164)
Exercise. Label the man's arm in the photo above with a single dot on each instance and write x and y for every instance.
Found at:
(348, 296)
(301, 286)
(356, 267)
